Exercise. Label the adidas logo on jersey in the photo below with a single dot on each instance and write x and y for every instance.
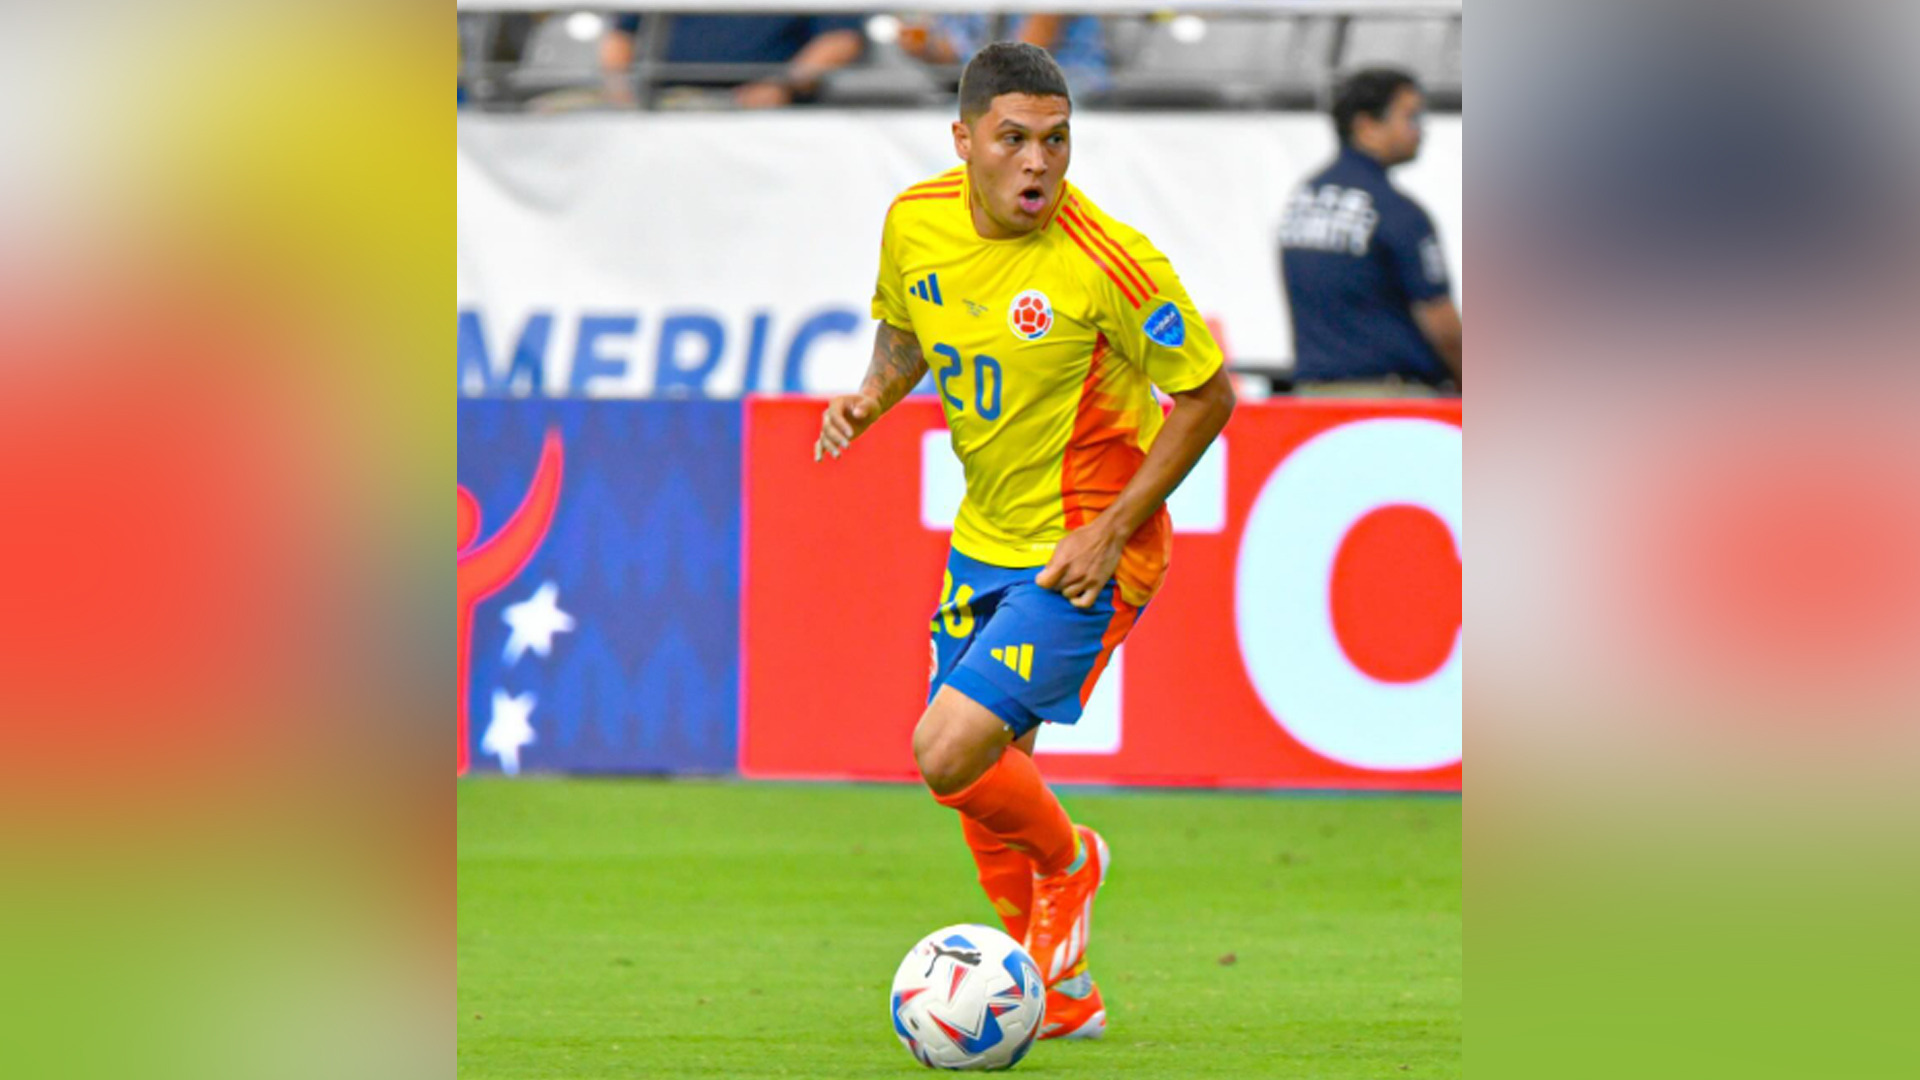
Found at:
(928, 289)
(1019, 660)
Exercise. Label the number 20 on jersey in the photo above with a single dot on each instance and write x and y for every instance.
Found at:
(987, 382)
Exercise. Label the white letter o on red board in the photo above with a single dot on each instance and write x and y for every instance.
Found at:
(1282, 611)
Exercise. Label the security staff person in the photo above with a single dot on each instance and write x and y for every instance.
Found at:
(1366, 282)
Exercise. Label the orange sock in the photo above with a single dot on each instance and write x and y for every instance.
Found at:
(1005, 874)
(1014, 806)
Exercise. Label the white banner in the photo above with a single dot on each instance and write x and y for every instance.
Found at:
(716, 254)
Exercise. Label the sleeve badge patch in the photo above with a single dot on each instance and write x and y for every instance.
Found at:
(1165, 327)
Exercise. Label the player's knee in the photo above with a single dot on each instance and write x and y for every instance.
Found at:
(934, 758)
(946, 764)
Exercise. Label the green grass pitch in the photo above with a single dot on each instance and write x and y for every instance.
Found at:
(643, 928)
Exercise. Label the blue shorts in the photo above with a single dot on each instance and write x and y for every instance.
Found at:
(1022, 651)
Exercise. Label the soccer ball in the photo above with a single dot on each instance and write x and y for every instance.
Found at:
(968, 997)
(1030, 316)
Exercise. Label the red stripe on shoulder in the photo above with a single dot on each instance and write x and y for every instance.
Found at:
(1107, 247)
(1151, 287)
(928, 195)
(1066, 225)
(937, 185)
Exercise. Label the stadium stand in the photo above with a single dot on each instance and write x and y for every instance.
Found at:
(559, 58)
(1220, 62)
(1255, 54)
(1428, 48)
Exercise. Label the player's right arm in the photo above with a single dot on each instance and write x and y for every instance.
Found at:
(898, 366)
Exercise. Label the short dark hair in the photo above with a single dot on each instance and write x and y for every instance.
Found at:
(1008, 67)
(1370, 92)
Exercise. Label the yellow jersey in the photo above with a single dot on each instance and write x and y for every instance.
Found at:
(1044, 350)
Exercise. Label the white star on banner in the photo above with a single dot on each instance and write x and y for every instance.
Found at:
(510, 731)
(534, 621)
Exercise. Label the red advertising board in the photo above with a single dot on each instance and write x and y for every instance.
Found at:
(1308, 635)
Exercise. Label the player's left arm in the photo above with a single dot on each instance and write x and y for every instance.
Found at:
(1145, 312)
(1085, 559)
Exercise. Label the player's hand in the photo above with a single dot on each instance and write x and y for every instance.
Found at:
(1082, 564)
(846, 417)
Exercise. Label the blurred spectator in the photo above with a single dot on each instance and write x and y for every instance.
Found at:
(1366, 281)
(809, 46)
(1077, 43)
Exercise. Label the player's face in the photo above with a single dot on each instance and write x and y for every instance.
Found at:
(1016, 155)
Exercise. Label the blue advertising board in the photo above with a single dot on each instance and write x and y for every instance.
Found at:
(599, 612)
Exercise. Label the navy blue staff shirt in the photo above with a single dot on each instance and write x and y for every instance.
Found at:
(1357, 255)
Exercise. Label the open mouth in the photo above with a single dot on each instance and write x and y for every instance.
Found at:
(1033, 199)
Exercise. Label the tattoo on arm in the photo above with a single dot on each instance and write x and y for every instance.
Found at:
(898, 366)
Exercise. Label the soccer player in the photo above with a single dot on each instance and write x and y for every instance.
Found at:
(1045, 324)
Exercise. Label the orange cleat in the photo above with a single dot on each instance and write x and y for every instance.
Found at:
(1063, 910)
(1074, 1010)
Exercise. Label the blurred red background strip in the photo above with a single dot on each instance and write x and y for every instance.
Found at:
(1769, 565)
(161, 539)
